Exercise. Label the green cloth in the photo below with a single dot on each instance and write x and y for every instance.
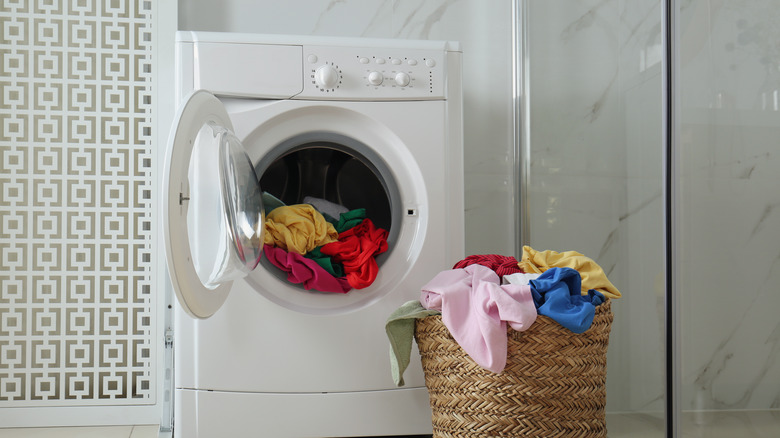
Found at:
(347, 220)
(334, 269)
(400, 333)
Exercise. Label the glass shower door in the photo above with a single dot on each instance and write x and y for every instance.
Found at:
(727, 222)
(592, 164)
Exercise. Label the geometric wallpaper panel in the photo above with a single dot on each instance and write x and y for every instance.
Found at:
(76, 258)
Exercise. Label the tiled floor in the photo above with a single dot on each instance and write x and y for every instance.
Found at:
(710, 424)
(146, 431)
(720, 424)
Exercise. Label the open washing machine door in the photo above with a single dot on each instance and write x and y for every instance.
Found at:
(213, 217)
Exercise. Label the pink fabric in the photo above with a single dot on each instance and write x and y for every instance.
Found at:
(299, 269)
(475, 307)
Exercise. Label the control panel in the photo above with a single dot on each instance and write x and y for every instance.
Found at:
(354, 73)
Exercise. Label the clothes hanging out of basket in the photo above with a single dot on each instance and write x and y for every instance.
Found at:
(556, 294)
(593, 276)
(502, 265)
(476, 309)
(483, 293)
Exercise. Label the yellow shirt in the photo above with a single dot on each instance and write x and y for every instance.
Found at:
(298, 228)
(593, 277)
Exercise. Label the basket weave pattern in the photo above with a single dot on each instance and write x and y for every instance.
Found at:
(554, 383)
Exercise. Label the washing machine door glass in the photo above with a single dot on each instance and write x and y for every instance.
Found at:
(213, 206)
(225, 218)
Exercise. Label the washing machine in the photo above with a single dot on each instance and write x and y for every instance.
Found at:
(271, 120)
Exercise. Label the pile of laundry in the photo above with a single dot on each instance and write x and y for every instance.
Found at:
(483, 293)
(322, 245)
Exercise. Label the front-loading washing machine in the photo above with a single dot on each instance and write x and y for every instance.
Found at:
(278, 121)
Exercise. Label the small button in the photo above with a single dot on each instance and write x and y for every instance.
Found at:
(312, 59)
(380, 60)
(430, 62)
(363, 60)
(412, 62)
(396, 61)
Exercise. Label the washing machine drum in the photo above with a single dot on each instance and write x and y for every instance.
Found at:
(324, 170)
(212, 206)
(214, 210)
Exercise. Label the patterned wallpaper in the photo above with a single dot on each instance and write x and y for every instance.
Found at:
(76, 258)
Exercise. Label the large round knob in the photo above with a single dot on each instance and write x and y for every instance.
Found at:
(375, 78)
(402, 79)
(326, 76)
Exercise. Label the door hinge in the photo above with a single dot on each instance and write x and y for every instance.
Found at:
(169, 338)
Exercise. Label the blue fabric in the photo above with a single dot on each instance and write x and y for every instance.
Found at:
(556, 294)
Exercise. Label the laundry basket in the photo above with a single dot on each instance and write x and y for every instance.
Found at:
(553, 384)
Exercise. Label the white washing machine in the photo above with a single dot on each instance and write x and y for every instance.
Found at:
(360, 123)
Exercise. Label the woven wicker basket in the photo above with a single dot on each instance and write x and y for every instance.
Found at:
(553, 384)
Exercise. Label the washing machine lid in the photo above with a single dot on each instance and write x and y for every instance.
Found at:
(212, 207)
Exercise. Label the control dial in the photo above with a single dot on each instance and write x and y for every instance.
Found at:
(402, 79)
(375, 78)
(326, 76)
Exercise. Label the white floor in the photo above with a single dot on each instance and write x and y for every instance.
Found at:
(717, 424)
(710, 424)
(146, 431)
